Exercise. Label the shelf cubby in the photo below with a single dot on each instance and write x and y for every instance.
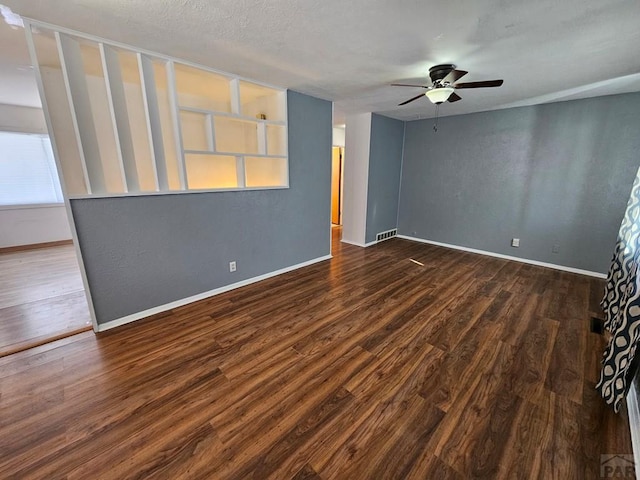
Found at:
(235, 135)
(199, 88)
(196, 131)
(208, 171)
(265, 171)
(261, 102)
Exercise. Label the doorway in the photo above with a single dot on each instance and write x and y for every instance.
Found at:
(42, 296)
(336, 185)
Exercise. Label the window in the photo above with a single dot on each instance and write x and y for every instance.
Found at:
(27, 170)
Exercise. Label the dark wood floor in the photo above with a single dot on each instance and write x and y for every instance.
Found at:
(367, 366)
(41, 297)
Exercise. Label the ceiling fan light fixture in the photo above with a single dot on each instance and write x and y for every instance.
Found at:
(439, 95)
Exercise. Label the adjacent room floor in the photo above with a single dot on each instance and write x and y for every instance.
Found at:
(41, 297)
(364, 366)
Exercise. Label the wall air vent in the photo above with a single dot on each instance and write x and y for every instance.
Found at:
(386, 235)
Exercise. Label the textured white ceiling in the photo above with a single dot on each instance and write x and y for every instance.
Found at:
(349, 52)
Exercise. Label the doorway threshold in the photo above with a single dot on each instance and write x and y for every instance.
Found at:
(39, 341)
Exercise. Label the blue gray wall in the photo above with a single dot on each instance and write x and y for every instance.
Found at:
(385, 161)
(555, 174)
(141, 252)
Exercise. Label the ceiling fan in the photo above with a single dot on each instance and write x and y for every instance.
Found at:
(442, 89)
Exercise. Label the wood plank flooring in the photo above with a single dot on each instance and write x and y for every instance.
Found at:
(41, 297)
(366, 366)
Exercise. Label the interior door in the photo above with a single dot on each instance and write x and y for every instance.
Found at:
(336, 174)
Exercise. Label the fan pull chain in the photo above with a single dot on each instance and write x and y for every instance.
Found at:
(435, 125)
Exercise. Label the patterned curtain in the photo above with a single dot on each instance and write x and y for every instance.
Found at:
(621, 305)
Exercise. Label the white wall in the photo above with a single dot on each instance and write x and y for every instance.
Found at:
(33, 224)
(26, 225)
(338, 136)
(14, 118)
(356, 178)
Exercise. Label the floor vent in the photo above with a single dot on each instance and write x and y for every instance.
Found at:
(597, 325)
(386, 235)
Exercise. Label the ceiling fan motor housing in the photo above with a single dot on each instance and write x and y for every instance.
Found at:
(438, 72)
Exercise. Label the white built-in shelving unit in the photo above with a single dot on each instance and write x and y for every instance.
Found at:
(131, 122)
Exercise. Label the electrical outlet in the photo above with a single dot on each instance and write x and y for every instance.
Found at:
(555, 248)
(232, 266)
(515, 242)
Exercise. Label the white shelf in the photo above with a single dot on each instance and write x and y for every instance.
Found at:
(235, 116)
(231, 154)
(176, 192)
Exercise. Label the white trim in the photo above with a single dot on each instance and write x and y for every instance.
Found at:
(508, 257)
(349, 242)
(330, 183)
(363, 245)
(366, 182)
(211, 135)
(634, 425)
(231, 154)
(22, 206)
(201, 296)
(234, 116)
(172, 93)
(404, 133)
(236, 104)
(241, 174)
(22, 129)
(176, 192)
(262, 138)
(67, 203)
(285, 97)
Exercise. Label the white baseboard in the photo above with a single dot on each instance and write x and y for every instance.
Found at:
(508, 257)
(201, 296)
(634, 426)
(357, 244)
